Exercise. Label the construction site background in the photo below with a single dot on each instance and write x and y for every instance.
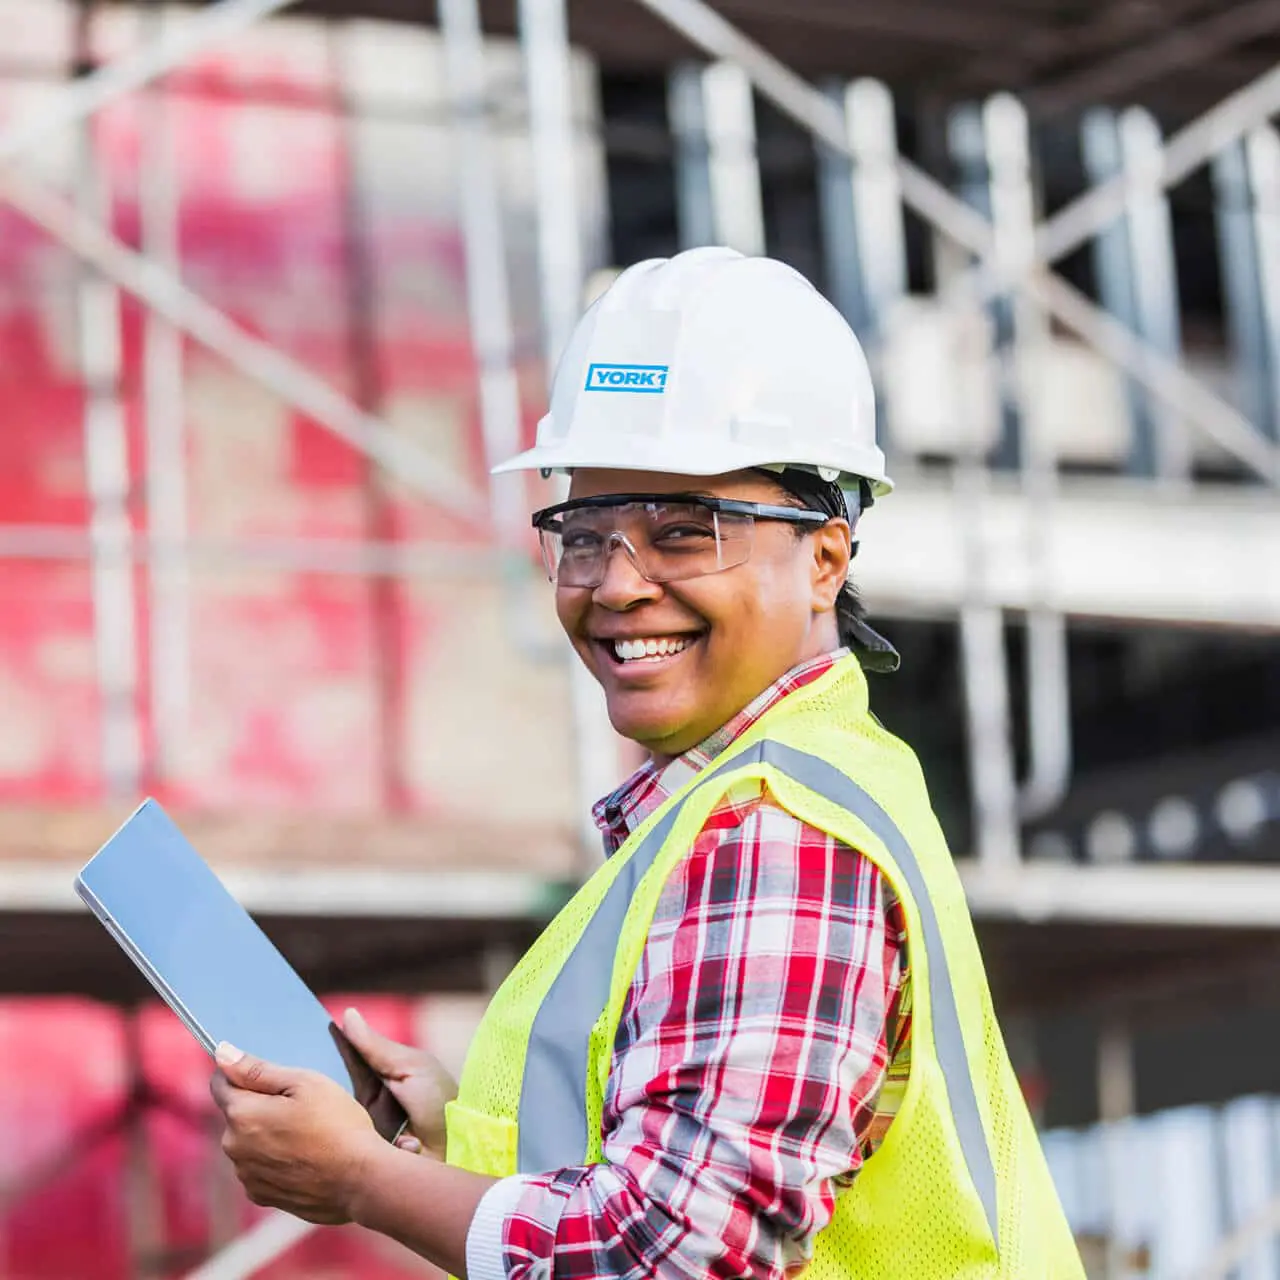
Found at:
(269, 311)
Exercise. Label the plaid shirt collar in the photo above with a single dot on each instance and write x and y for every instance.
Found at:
(621, 812)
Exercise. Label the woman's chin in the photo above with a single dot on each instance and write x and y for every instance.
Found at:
(649, 720)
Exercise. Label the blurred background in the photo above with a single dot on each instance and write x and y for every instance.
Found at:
(278, 282)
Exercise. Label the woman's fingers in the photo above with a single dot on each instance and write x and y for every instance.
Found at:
(387, 1057)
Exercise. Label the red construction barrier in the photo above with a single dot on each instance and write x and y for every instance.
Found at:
(66, 1130)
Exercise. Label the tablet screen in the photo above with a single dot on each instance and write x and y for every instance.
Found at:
(211, 962)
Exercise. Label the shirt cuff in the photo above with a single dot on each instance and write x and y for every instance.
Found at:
(485, 1260)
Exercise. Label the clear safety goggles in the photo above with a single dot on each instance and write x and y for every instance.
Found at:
(668, 537)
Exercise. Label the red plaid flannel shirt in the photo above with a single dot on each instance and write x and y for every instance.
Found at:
(762, 1052)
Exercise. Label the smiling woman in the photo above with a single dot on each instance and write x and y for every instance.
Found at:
(759, 1039)
(665, 574)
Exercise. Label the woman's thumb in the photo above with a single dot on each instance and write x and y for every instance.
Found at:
(247, 1072)
(376, 1049)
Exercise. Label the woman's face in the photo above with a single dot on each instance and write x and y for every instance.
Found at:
(740, 628)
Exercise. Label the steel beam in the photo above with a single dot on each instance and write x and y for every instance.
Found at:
(545, 39)
(210, 26)
(992, 169)
(1012, 197)
(718, 198)
(1262, 154)
(258, 360)
(488, 294)
(489, 314)
(862, 226)
(861, 203)
(107, 478)
(368, 388)
(686, 116)
(1247, 195)
(169, 610)
(992, 779)
(1135, 270)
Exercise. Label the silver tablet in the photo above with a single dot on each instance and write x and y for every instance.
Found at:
(212, 964)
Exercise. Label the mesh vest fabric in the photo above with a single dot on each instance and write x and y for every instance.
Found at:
(959, 1186)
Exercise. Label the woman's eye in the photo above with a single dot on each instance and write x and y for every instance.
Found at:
(684, 533)
(579, 540)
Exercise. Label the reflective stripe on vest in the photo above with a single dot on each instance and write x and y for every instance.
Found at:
(552, 1117)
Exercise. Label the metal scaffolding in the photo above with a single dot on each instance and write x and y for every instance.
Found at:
(1071, 226)
(169, 640)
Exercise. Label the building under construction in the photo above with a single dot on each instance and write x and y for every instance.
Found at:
(279, 282)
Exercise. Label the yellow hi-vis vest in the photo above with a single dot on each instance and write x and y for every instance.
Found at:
(959, 1186)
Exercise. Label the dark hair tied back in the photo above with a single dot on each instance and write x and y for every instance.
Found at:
(816, 494)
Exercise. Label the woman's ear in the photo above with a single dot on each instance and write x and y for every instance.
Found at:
(832, 553)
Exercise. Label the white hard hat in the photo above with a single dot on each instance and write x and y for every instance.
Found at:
(711, 362)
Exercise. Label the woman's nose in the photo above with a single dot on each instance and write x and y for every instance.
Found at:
(622, 581)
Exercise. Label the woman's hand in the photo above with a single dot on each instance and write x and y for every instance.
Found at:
(303, 1144)
(298, 1141)
(418, 1081)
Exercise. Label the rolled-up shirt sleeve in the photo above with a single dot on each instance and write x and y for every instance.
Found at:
(745, 1074)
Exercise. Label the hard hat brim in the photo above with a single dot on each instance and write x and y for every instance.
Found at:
(688, 460)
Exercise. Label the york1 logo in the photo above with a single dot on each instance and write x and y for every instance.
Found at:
(646, 379)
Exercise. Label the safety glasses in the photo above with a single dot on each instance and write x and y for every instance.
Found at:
(668, 537)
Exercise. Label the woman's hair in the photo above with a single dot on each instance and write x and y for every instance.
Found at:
(813, 493)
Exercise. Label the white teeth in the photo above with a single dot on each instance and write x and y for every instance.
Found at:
(658, 647)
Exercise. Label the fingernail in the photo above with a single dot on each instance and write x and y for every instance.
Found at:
(356, 1016)
(228, 1054)
(409, 1144)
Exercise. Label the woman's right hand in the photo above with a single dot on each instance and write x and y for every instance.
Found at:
(414, 1076)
